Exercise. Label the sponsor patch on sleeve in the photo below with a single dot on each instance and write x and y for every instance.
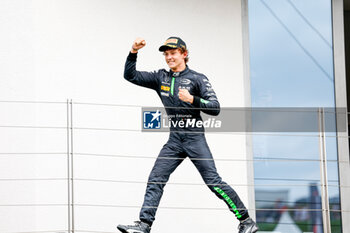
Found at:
(204, 101)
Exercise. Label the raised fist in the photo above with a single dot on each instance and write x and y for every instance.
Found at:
(139, 43)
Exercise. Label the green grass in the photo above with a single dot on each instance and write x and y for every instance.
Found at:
(267, 226)
(304, 226)
(336, 226)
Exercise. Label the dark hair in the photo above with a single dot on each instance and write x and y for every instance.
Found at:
(183, 50)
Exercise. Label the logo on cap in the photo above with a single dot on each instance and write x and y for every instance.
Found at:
(172, 41)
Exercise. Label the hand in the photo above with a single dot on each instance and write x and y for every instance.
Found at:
(185, 96)
(139, 43)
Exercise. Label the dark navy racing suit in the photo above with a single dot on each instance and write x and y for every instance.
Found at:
(181, 144)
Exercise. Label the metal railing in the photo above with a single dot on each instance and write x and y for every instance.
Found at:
(71, 177)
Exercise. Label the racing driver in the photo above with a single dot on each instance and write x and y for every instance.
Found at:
(183, 92)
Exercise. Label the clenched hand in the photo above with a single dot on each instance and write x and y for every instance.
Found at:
(139, 43)
(185, 96)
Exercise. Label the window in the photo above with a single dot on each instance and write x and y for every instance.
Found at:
(291, 65)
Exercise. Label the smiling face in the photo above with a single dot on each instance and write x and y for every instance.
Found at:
(175, 59)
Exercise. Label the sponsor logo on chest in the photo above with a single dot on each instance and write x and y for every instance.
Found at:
(165, 88)
(166, 81)
(185, 81)
(185, 87)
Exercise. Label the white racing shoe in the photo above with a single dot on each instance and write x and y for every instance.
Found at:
(138, 227)
(247, 226)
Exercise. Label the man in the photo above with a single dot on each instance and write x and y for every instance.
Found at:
(183, 92)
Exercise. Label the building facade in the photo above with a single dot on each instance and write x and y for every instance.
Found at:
(74, 157)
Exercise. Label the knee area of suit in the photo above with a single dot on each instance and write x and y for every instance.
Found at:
(213, 181)
(156, 177)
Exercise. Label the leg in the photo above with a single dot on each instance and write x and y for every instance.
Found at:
(197, 149)
(169, 158)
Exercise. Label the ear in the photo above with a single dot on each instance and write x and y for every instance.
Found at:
(185, 54)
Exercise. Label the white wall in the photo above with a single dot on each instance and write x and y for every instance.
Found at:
(54, 50)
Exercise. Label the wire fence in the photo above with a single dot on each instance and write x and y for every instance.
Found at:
(71, 178)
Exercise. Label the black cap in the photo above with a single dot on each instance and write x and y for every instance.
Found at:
(172, 43)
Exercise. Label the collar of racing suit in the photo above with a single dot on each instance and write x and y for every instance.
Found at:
(176, 74)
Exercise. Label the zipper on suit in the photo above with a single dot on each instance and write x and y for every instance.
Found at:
(172, 86)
